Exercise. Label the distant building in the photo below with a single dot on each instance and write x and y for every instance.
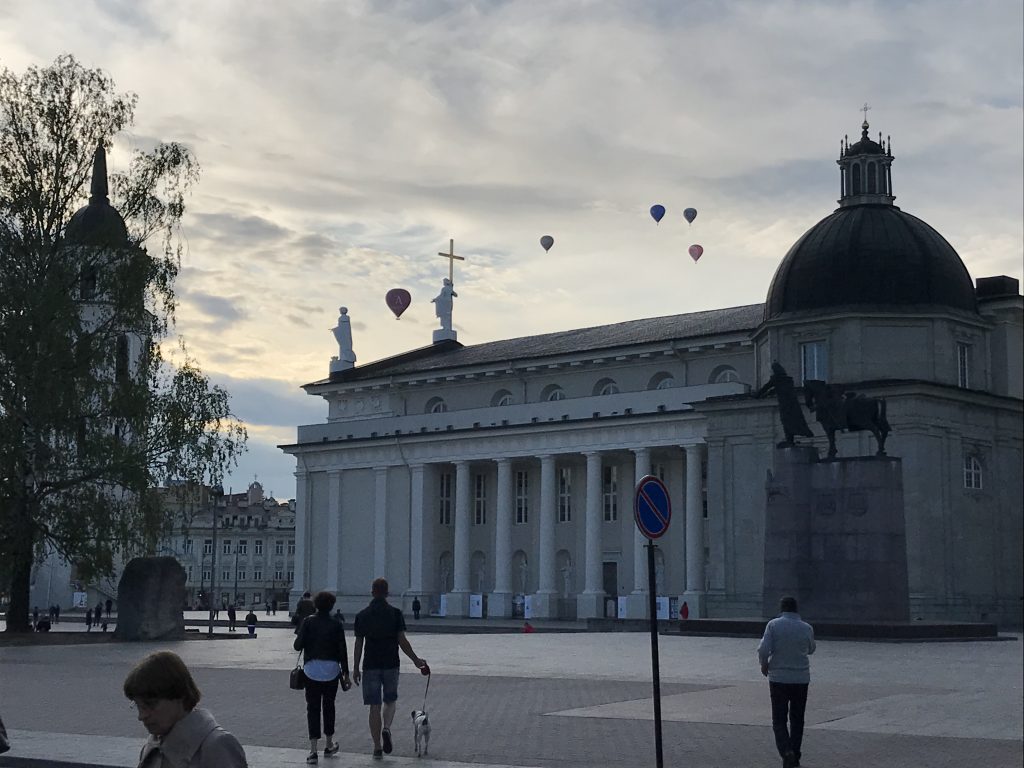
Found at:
(255, 545)
(492, 475)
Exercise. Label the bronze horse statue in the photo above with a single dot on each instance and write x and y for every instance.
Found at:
(846, 411)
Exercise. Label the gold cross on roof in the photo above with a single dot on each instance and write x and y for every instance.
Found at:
(452, 258)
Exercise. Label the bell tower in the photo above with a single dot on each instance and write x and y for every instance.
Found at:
(865, 170)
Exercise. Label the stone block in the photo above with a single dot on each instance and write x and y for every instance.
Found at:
(150, 600)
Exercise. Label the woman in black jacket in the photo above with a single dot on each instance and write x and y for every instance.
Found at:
(325, 662)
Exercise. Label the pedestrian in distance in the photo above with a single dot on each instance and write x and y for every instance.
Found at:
(339, 616)
(416, 607)
(325, 663)
(88, 619)
(273, 607)
(783, 653)
(302, 610)
(35, 616)
(232, 617)
(56, 614)
(109, 606)
(250, 621)
(380, 630)
(98, 613)
(267, 604)
(182, 734)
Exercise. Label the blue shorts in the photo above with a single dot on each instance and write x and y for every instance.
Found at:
(375, 680)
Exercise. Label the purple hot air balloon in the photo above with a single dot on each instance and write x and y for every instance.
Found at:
(657, 212)
(398, 300)
(696, 252)
(690, 214)
(546, 242)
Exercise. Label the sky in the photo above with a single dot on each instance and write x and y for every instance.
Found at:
(343, 143)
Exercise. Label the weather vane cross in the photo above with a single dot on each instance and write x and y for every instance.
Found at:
(452, 258)
(865, 109)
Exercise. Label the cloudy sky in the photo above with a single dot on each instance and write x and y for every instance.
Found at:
(343, 144)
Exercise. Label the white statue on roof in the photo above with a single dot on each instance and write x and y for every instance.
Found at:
(343, 335)
(443, 309)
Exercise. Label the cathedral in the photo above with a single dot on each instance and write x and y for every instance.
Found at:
(498, 479)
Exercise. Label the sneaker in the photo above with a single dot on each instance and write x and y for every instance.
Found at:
(385, 738)
(378, 754)
(332, 750)
(312, 759)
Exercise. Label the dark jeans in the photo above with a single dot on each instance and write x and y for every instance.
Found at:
(789, 700)
(320, 694)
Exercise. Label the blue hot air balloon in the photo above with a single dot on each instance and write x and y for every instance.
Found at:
(690, 214)
(657, 212)
(546, 242)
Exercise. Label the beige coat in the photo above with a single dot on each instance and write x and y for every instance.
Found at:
(195, 741)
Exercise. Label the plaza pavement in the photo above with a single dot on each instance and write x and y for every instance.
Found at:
(546, 700)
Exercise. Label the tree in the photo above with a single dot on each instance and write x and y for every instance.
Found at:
(92, 415)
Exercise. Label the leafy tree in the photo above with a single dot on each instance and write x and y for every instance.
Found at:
(92, 415)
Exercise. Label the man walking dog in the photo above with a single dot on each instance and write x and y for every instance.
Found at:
(380, 629)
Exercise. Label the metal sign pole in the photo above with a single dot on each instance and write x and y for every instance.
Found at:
(655, 666)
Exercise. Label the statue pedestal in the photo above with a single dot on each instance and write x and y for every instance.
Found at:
(835, 537)
(337, 364)
(499, 605)
(638, 605)
(544, 605)
(458, 604)
(443, 334)
(590, 605)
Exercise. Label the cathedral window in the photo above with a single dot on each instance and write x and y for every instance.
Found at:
(724, 374)
(856, 179)
(661, 380)
(436, 405)
(565, 495)
(501, 397)
(522, 497)
(444, 498)
(872, 178)
(479, 500)
(972, 472)
(963, 364)
(87, 286)
(552, 392)
(814, 361)
(606, 387)
(610, 493)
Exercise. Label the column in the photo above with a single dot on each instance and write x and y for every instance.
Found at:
(301, 526)
(380, 522)
(333, 528)
(637, 602)
(544, 604)
(590, 604)
(499, 602)
(417, 520)
(458, 599)
(694, 594)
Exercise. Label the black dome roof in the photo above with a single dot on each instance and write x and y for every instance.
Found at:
(98, 223)
(870, 254)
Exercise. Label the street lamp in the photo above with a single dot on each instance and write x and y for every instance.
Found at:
(216, 493)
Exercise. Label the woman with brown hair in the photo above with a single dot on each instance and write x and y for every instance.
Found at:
(325, 653)
(182, 735)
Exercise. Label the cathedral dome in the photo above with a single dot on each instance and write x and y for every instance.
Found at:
(98, 223)
(869, 252)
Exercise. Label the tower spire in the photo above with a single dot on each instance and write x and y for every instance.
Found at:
(865, 170)
(98, 190)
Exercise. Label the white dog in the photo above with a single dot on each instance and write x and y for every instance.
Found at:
(421, 725)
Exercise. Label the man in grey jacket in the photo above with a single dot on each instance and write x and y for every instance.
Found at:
(783, 652)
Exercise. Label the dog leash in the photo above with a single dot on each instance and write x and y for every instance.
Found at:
(426, 690)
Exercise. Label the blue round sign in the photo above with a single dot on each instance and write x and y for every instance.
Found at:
(652, 507)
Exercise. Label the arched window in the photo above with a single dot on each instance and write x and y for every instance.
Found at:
(606, 387)
(723, 374)
(552, 392)
(972, 472)
(436, 405)
(502, 397)
(856, 179)
(661, 380)
(872, 177)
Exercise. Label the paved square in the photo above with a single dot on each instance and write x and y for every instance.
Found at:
(546, 700)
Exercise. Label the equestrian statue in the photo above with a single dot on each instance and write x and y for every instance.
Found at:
(848, 411)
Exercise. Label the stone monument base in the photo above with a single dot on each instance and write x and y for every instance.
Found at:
(458, 604)
(638, 605)
(590, 605)
(499, 605)
(835, 537)
(544, 605)
(151, 600)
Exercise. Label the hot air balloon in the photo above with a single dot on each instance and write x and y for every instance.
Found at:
(690, 214)
(696, 252)
(398, 300)
(657, 211)
(546, 242)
